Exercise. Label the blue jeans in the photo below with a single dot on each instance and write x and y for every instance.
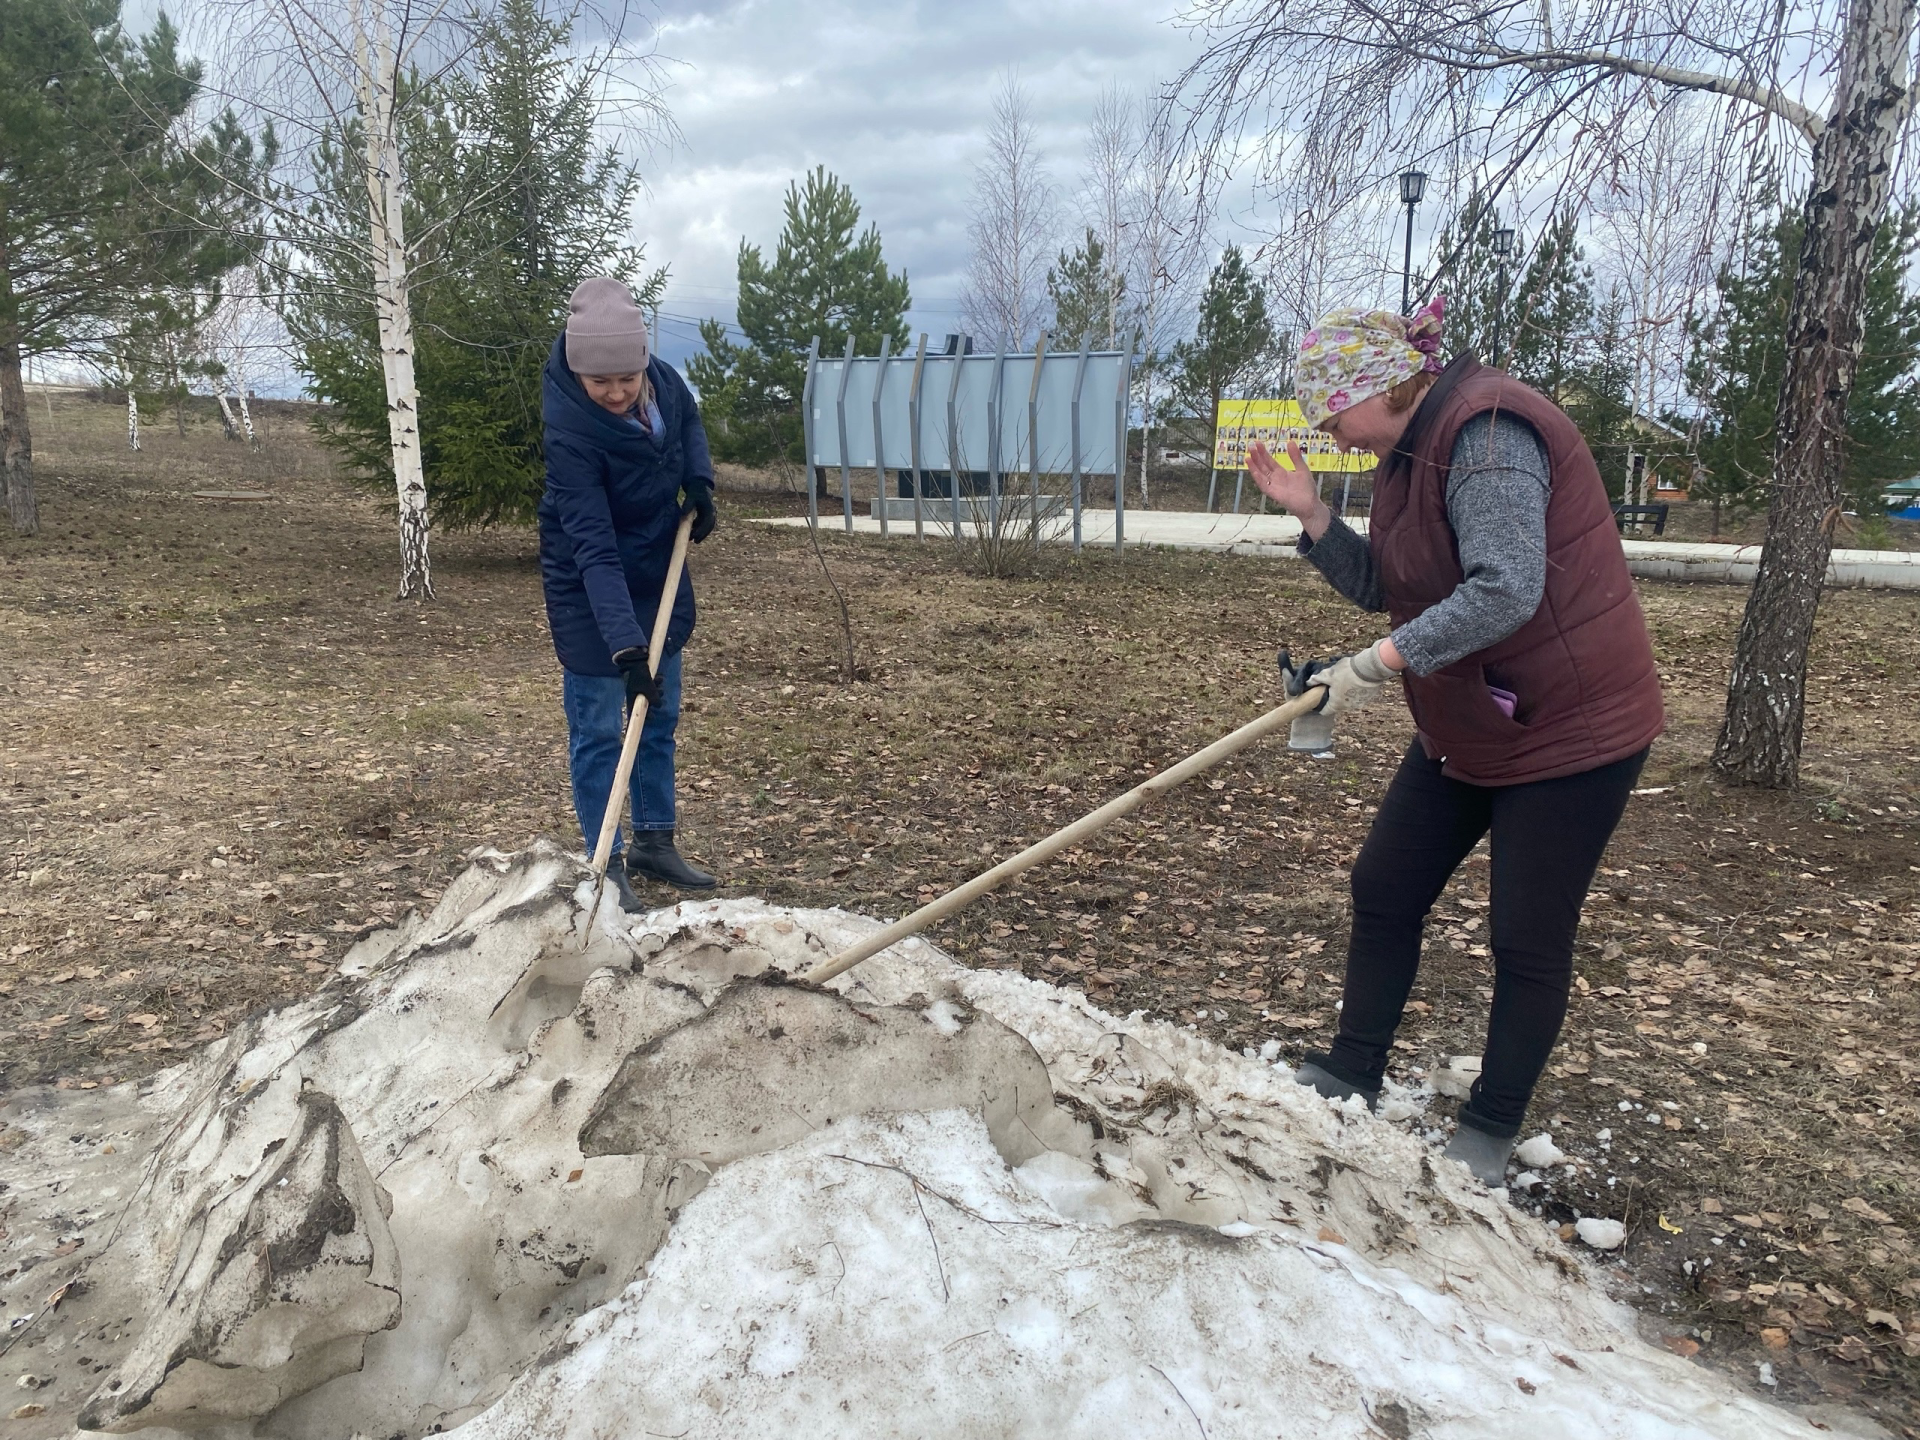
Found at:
(596, 718)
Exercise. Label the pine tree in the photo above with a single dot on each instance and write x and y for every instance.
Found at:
(1233, 339)
(1085, 291)
(1599, 396)
(102, 201)
(822, 283)
(515, 201)
(1738, 359)
(1478, 320)
(1551, 315)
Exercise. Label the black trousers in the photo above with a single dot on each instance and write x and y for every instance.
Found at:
(1547, 839)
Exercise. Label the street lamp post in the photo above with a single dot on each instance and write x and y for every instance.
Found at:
(1413, 185)
(1502, 248)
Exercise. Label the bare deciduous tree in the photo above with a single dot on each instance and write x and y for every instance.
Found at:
(1327, 88)
(1167, 246)
(1106, 195)
(1014, 226)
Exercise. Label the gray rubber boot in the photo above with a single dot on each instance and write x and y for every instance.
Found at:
(1331, 1086)
(1485, 1155)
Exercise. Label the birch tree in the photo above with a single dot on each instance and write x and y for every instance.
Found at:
(1331, 87)
(344, 74)
(1015, 220)
(1106, 191)
(1166, 252)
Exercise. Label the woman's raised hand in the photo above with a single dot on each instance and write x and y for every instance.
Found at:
(1295, 487)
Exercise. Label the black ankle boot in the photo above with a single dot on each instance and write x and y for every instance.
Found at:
(622, 887)
(653, 857)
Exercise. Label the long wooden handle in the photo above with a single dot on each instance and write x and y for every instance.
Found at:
(1081, 829)
(630, 747)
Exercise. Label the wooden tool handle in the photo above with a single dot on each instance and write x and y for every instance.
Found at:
(630, 747)
(1082, 829)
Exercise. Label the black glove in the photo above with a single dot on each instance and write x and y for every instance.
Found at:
(1298, 678)
(639, 677)
(700, 506)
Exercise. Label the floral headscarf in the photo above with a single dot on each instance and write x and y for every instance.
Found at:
(1353, 355)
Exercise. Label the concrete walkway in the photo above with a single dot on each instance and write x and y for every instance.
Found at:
(1275, 536)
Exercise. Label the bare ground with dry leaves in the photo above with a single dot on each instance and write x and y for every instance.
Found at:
(230, 752)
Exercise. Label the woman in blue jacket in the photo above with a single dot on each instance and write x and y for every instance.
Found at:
(624, 443)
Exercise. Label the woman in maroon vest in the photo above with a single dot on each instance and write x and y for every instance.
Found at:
(1519, 640)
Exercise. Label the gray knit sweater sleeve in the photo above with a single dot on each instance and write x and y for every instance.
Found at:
(1497, 490)
(1347, 563)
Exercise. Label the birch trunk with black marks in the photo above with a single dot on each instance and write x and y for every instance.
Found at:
(1853, 157)
(386, 198)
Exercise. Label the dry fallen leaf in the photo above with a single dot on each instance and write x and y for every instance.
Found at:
(1774, 1338)
(144, 1021)
(1854, 1205)
(1683, 1346)
(1527, 1387)
(1332, 1236)
(1886, 1320)
(1711, 1206)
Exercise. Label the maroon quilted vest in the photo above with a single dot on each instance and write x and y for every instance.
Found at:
(1582, 667)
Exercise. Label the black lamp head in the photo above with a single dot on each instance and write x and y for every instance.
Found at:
(1413, 185)
(1503, 242)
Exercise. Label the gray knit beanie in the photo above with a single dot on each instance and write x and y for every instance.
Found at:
(606, 334)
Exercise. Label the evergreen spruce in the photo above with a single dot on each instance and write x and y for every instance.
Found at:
(1084, 290)
(1551, 314)
(513, 201)
(1738, 360)
(1479, 313)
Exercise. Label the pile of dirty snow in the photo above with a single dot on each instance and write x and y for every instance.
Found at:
(505, 1178)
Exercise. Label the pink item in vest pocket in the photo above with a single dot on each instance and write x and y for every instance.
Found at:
(1505, 699)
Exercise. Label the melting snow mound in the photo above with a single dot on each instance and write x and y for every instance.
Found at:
(505, 1179)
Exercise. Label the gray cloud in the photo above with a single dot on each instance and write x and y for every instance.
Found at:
(893, 98)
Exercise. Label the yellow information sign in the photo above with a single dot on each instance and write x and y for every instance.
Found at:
(1274, 422)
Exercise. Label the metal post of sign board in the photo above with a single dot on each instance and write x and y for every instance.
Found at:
(840, 412)
(1079, 380)
(1213, 483)
(879, 465)
(996, 404)
(1239, 483)
(913, 434)
(1346, 489)
(1120, 454)
(953, 444)
(1033, 438)
(806, 420)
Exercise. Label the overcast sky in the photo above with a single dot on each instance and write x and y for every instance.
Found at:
(892, 97)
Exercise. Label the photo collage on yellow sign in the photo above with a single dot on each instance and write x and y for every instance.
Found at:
(1274, 422)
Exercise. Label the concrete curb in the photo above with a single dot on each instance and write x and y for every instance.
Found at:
(1274, 537)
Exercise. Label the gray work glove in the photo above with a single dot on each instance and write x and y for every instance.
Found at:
(1353, 680)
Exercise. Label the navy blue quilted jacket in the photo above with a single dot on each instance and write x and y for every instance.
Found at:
(609, 514)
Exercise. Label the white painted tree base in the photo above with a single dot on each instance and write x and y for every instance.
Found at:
(792, 1215)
